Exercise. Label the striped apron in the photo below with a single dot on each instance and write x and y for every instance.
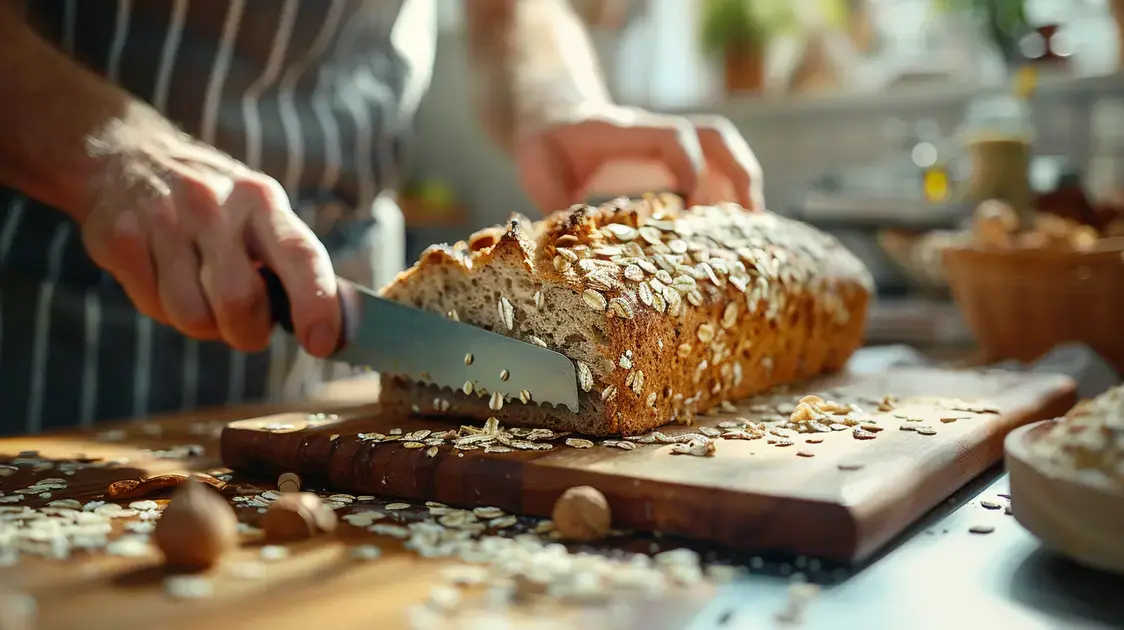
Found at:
(317, 93)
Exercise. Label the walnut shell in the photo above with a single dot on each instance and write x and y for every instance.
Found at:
(197, 527)
(296, 516)
(582, 514)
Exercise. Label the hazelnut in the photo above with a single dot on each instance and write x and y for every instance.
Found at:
(289, 482)
(582, 514)
(196, 527)
(296, 516)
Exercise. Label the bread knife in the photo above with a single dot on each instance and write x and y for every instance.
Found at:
(393, 338)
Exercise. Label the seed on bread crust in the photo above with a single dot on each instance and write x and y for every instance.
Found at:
(507, 313)
(594, 300)
(495, 403)
(585, 377)
(620, 308)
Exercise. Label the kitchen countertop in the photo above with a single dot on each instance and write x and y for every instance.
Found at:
(939, 575)
(317, 581)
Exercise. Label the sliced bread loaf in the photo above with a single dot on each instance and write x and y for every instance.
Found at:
(667, 311)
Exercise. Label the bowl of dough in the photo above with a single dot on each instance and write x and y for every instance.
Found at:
(1067, 481)
(1024, 289)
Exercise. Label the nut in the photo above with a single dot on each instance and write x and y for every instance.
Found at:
(289, 482)
(296, 516)
(196, 528)
(582, 514)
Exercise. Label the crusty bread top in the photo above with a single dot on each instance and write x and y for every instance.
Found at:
(647, 258)
(625, 255)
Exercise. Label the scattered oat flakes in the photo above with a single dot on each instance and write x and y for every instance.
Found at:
(394, 531)
(585, 376)
(488, 511)
(698, 448)
(188, 587)
(363, 519)
(130, 546)
(981, 529)
(862, 434)
(247, 570)
(444, 597)
(397, 506)
(271, 553)
(594, 300)
(365, 552)
(503, 522)
(800, 596)
(507, 313)
(495, 403)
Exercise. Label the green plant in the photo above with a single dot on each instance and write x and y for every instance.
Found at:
(1005, 20)
(743, 24)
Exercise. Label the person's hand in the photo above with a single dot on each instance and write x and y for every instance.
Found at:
(706, 155)
(184, 228)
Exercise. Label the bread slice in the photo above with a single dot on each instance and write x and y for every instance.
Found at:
(667, 311)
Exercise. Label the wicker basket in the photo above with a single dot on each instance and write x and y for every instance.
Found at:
(1021, 303)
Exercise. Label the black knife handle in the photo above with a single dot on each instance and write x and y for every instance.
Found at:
(281, 308)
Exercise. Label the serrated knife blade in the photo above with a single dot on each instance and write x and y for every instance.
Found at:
(393, 338)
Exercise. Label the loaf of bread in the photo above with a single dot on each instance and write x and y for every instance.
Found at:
(667, 312)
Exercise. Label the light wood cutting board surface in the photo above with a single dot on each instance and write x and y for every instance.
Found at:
(844, 502)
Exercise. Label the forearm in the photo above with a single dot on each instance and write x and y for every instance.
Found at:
(534, 61)
(50, 115)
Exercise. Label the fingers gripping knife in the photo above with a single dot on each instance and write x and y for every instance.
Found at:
(425, 347)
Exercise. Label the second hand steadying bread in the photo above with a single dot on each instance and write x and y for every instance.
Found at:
(667, 311)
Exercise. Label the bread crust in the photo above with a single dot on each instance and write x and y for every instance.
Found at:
(733, 302)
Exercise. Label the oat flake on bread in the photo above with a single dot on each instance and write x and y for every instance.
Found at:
(1090, 439)
(710, 304)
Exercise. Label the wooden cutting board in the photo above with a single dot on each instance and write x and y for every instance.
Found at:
(843, 503)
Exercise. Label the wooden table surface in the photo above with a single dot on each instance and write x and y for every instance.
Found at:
(319, 582)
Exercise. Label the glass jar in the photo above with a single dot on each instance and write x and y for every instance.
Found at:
(998, 134)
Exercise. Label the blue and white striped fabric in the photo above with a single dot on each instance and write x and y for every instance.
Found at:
(317, 93)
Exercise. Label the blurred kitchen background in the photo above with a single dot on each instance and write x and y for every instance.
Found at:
(857, 110)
